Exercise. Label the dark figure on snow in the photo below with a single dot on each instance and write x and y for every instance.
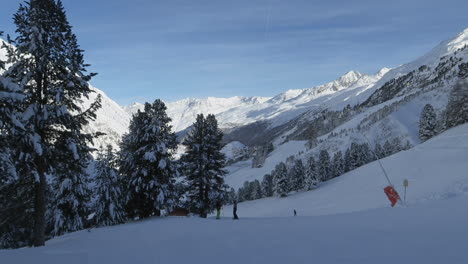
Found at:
(234, 211)
(295, 213)
(218, 210)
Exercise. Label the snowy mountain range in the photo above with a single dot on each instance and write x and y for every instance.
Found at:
(285, 117)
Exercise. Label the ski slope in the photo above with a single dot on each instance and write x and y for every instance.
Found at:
(431, 233)
(435, 169)
(347, 220)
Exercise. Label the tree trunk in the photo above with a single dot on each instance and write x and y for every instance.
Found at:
(39, 211)
(40, 187)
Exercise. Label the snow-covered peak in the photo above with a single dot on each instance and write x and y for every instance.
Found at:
(431, 58)
(458, 42)
(349, 78)
(383, 71)
(285, 96)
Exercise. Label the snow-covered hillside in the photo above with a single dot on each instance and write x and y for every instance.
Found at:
(430, 228)
(379, 112)
(435, 170)
(111, 119)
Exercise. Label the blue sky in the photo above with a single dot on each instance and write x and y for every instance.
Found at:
(147, 49)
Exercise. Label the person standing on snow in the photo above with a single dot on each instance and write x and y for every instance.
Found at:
(295, 213)
(234, 211)
(218, 210)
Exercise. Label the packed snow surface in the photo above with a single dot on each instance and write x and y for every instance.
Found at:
(347, 220)
(431, 233)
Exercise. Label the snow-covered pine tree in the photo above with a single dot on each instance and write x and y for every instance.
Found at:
(311, 174)
(109, 201)
(378, 150)
(297, 176)
(457, 107)
(70, 204)
(48, 66)
(217, 161)
(202, 165)
(267, 185)
(324, 165)
(16, 199)
(232, 196)
(355, 156)
(241, 192)
(256, 190)
(427, 123)
(388, 149)
(366, 155)
(281, 183)
(146, 162)
(347, 160)
(337, 164)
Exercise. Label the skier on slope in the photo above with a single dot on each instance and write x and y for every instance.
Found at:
(218, 210)
(234, 211)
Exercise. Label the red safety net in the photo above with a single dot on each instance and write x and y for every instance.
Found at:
(392, 195)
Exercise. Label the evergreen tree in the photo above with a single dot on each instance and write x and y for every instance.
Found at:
(357, 155)
(267, 185)
(324, 166)
(16, 201)
(427, 123)
(71, 202)
(457, 107)
(281, 180)
(366, 154)
(232, 196)
(256, 190)
(109, 202)
(243, 194)
(396, 145)
(203, 164)
(311, 174)
(337, 164)
(47, 64)
(297, 176)
(147, 164)
(388, 149)
(379, 152)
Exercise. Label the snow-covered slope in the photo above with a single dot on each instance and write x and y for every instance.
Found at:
(111, 119)
(436, 169)
(348, 220)
(431, 233)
